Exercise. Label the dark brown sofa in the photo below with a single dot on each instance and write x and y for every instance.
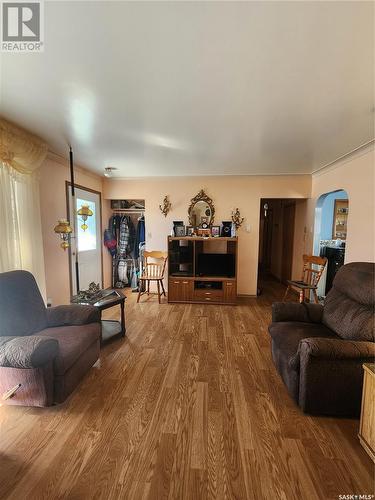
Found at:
(47, 351)
(319, 351)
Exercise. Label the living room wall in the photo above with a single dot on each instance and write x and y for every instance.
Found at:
(227, 193)
(356, 175)
(53, 174)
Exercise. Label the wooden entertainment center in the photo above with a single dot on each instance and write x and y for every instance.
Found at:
(202, 270)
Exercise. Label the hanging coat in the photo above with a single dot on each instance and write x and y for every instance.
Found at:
(124, 237)
(140, 237)
(122, 271)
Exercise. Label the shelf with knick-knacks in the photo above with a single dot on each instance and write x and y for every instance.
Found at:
(340, 219)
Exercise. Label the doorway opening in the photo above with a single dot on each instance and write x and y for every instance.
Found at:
(85, 251)
(330, 233)
(276, 241)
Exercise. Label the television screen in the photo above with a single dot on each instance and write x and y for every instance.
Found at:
(216, 264)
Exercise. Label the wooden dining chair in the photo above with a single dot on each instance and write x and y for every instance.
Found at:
(310, 277)
(153, 270)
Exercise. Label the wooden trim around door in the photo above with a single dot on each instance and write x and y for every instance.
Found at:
(89, 190)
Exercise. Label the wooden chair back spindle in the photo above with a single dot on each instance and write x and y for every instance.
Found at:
(153, 270)
(313, 267)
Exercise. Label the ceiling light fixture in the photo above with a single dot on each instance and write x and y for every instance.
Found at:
(108, 171)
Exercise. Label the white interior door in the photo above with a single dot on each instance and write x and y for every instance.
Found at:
(86, 248)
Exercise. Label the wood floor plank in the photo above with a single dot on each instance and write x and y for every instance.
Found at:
(188, 406)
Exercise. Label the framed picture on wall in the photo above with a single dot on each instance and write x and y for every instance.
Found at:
(215, 231)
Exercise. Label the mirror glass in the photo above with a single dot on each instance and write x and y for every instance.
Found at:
(201, 212)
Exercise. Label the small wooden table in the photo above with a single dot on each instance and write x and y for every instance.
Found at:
(367, 424)
(110, 328)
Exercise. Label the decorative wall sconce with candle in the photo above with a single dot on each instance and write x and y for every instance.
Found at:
(166, 207)
(84, 212)
(236, 218)
(64, 230)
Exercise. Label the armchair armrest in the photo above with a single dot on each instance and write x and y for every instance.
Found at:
(74, 314)
(27, 352)
(337, 349)
(331, 375)
(292, 311)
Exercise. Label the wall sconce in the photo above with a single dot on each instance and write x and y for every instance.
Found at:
(63, 229)
(236, 218)
(84, 212)
(167, 205)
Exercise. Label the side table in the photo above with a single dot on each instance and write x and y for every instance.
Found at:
(367, 424)
(111, 298)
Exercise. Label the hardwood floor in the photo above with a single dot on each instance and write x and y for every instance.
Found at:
(187, 406)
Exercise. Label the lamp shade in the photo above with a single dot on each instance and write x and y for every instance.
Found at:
(85, 211)
(63, 227)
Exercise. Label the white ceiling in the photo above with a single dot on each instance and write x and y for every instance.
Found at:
(189, 88)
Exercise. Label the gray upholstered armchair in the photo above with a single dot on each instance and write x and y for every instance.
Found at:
(319, 351)
(47, 351)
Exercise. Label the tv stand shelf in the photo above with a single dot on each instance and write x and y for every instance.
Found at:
(192, 262)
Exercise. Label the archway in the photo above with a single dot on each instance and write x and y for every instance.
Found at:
(330, 232)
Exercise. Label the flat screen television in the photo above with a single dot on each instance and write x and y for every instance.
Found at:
(216, 264)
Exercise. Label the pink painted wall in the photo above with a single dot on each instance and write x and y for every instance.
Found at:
(53, 174)
(227, 192)
(356, 175)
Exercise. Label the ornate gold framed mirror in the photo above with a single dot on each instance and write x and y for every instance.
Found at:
(201, 210)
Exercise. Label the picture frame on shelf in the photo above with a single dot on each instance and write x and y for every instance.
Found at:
(176, 224)
(190, 230)
(179, 231)
(215, 231)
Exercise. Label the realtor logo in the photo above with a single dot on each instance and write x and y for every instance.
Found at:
(22, 26)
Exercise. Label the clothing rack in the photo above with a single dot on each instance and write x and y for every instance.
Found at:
(133, 262)
(125, 211)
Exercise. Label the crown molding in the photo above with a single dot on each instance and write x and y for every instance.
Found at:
(341, 160)
(61, 160)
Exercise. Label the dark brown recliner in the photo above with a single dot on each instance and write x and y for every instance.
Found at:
(47, 351)
(319, 351)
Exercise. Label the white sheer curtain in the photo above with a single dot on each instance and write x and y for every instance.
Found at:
(21, 243)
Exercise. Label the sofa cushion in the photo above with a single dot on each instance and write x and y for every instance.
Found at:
(22, 310)
(73, 342)
(356, 280)
(349, 306)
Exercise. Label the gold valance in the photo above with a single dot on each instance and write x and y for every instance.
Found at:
(19, 149)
